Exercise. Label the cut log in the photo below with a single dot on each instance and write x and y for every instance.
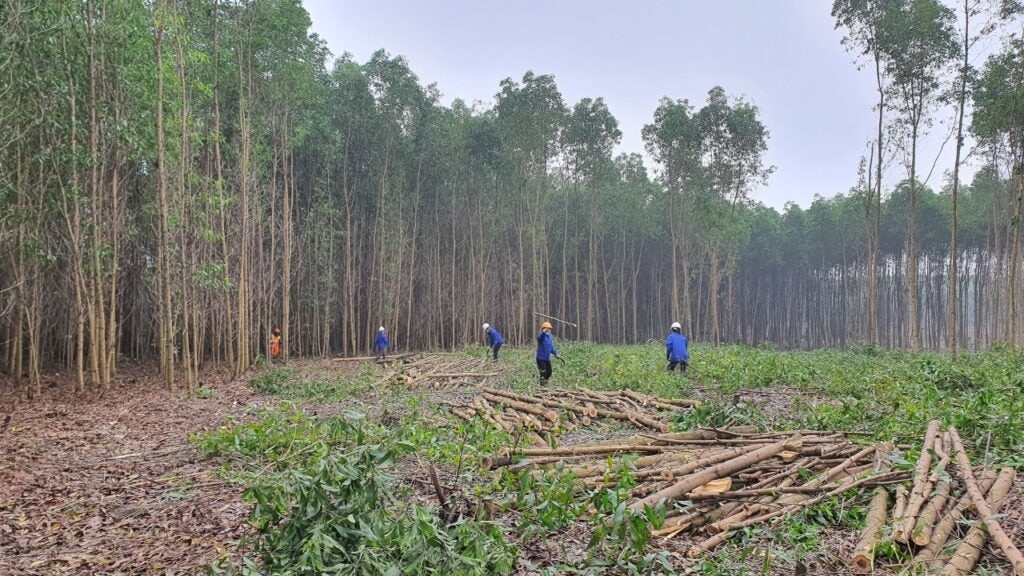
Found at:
(994, 529)
(635, 419)
(694, 518)
(925, 524)
(645, 400)
(743, 513)
(915, 507)
(864, 552)
(703, 462)
(689, 482)
(970, 548)
(459, 375)
(905, 522)
(845, 487)
(701, 548)
(591, 470)
(578, 450)
(588, 411)
(773, 491)
(900, 507)
(930, 556)
(551, 415)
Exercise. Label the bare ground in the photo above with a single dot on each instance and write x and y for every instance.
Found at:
(109, 485)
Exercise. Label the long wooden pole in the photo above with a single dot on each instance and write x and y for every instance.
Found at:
(984, 510)
(556, 319)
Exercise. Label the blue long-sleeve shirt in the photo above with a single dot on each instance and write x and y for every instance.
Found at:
(494, 337)
(675, 348)
(545, 346)
(382, 341)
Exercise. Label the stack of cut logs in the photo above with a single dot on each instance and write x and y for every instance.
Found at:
(939, 501)
(715, 481)
(558, 411)
(436, 370)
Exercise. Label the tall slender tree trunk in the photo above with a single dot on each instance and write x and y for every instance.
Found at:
(953, 248)
(912, 259)
(163, 234)
(873, 263)
(286, 240)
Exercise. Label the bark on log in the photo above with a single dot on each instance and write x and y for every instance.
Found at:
(635, 418)
(693, 519)
(523, 407)
(699, 549)
(592, 470)
(845, 487)
(925, 524)
(905, 523)
(703, 462)
(930, 555)
(915, 508)
(900, 507)
(661, 403)
(691, 481)
(578, 450)
(864, 552)
(438, 375)
(970, 548)
(994, 529)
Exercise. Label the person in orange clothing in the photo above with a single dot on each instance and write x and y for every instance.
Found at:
(275, 343)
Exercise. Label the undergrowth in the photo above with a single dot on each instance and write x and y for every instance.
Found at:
(325, 500)
(293, 460)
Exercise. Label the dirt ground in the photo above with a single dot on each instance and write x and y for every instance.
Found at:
(108, 484)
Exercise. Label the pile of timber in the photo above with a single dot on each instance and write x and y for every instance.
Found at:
(437, 370)
(945, 496)
(716, 481)
(556, 411)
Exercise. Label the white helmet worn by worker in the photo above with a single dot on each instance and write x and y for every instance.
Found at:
(677, 326)
(486, 325)
(381, 329)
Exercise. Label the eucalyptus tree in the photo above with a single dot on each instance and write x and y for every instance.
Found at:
(733, 143)
(964, 75)
(674, 141)
(921, 44)
(399, 101)
(530, 118)
(998, 122)
(350, 115)
(866, 36)
(591, 133)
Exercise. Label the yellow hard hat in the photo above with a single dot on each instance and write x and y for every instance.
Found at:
(545, 326)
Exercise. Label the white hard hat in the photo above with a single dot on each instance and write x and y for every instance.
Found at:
(486, 325)
(381, 329)
(677, 326)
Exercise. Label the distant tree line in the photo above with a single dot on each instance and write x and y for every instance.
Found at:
(178, 177)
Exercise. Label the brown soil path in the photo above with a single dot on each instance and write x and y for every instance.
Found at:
(110, 485)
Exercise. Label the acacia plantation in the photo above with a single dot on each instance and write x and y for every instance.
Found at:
(179, 177)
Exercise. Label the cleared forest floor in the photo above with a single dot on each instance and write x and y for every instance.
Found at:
(120, 483)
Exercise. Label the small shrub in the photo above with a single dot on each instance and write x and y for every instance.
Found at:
(273, 382)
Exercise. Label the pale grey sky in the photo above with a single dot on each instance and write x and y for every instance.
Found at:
(783, 55)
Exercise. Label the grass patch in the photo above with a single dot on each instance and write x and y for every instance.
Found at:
(883, 395)
(324, 499)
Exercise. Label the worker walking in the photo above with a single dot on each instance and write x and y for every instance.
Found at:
(545, 350)
(675, 349)
(381, 344)
(494, 340)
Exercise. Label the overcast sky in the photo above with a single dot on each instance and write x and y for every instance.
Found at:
(783, 55)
